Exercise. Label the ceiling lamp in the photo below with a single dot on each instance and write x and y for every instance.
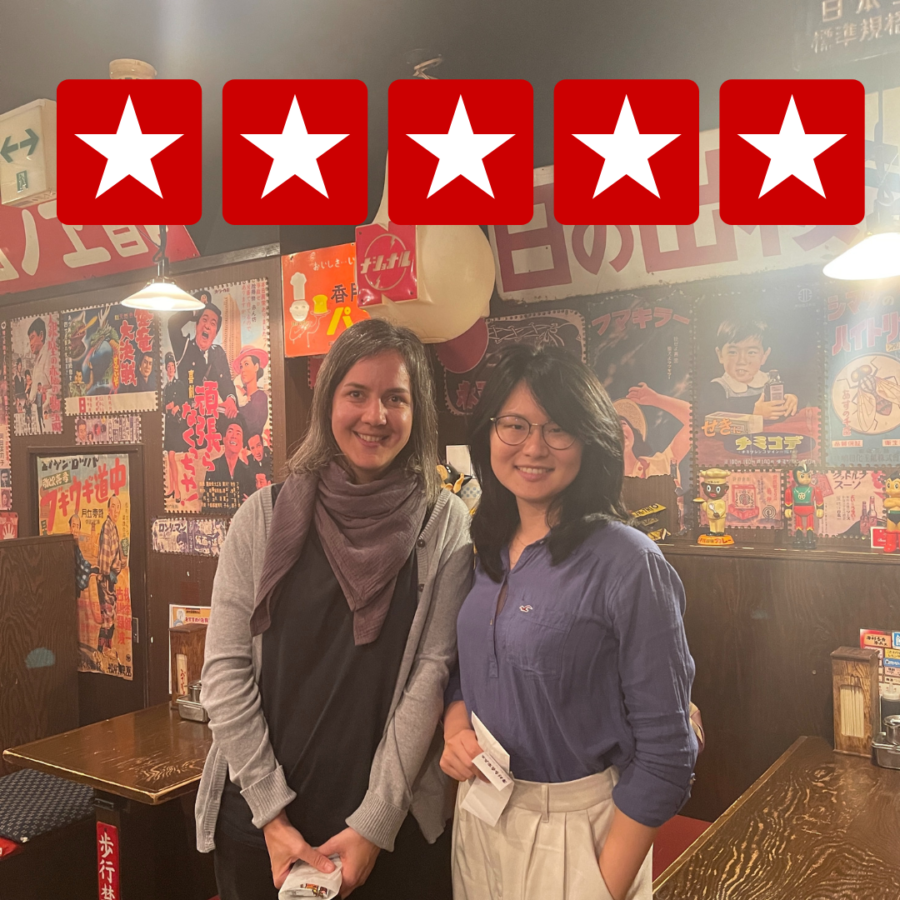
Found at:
(877, 255)
(162, 294)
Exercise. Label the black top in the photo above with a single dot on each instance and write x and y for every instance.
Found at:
(326, 700)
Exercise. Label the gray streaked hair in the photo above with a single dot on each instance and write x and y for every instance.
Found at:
(373, 337)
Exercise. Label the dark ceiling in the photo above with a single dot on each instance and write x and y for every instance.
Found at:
(43, 42)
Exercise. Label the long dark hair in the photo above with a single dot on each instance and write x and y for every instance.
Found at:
(572, 396)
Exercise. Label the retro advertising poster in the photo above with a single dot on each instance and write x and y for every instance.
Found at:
(320, 299)
(108, 429)
(640, 348)
(862, 349)
(110, 359)
(5, 464)
(36, 381)
(217, 439)
(758, 377)
(854, 502)
(88, 497)
(463, 384)
(754, 500)
(192, 537)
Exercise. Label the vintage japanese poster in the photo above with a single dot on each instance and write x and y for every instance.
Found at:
(754, 500)
(320, 298)
(36, 382)
(640, 347)
(758, 375)
(853, 502)
(88, 497)
(862, 349)
(108, 429)
(5, 462)
(217, 439)
(9, 526)
(559, 328)
(192, 537)
(110, 359)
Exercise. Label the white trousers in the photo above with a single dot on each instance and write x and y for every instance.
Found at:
(544, 847)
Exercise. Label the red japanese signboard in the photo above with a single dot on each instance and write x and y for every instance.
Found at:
(37, 250)
(107, 862)
(386, 263)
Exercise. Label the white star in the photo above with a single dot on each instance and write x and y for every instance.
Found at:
(626, 152)
(460, 152)
(128, 152)
(792, 152)
(295, 152)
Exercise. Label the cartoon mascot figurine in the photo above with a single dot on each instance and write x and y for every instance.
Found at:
(714, 487)
(892, 511)
(801, 500)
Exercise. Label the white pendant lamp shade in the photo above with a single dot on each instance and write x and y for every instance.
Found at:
(875, 257)
(162, 295)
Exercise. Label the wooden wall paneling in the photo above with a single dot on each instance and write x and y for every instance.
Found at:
(761, 626)
(38, 640)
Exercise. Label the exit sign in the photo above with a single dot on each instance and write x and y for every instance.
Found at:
(28, 154)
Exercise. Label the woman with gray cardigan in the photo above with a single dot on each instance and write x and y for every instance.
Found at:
(331, 639)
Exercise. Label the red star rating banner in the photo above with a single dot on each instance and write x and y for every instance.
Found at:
(626, 151)
(792, 151)
(129, 150)
(460, 151)
(294, 152)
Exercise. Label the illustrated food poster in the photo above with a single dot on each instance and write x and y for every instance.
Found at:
(862, 349)
(5, 465)
(640, 348)
(88, 497)
(110, 359)
(217, 440)
(465, 373)
(36, 382)
(758, 376)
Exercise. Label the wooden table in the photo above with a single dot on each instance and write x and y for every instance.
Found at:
(136, 764)
(817, 825)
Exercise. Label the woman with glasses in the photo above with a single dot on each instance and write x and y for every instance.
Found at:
(572, 651)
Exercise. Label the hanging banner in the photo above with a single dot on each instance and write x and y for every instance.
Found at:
(544, 260)
(560, 328)
(757, 365)
(110, 360)
(386, 263)
(37, 386)
(217, 436)
(5, 463)
(89, 497)
(108, 430)
(640, 348)
(37, 250)
(862, 344)
(320, 298)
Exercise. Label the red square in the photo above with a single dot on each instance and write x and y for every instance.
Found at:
(471, 159)
(306, 160)
(815, 131)
(626, 151)
(140, 158)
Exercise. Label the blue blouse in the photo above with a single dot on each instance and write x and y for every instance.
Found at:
(585, 667)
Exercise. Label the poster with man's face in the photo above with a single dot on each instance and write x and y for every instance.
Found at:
(758, 374)
(215, 374)
(640, 347)
(35, 379)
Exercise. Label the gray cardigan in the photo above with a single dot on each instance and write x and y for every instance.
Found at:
(405, 774)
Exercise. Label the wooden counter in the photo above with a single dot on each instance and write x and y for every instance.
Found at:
(817, 825)
(150, 756)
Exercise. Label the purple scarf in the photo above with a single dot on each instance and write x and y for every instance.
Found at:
(366, 530)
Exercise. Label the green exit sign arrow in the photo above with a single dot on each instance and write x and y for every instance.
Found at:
(7, 150)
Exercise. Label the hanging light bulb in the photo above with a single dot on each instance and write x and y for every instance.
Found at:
(162, 294)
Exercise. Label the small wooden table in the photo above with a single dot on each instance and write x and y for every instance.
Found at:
(817, 825)
(135, 763)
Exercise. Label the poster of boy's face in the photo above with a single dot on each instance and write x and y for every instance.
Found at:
(757, 369)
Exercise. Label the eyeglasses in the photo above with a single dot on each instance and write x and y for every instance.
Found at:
(515, 430)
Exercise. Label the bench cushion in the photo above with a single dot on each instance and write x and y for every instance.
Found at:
(33, 803)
